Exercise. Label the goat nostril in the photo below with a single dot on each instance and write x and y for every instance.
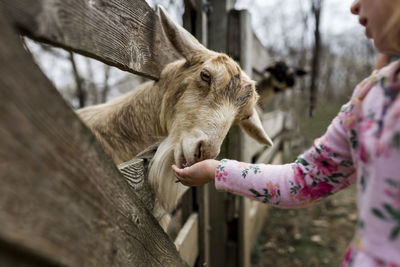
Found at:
(199, 151)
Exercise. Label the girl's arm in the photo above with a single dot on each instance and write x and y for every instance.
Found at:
(324, 169)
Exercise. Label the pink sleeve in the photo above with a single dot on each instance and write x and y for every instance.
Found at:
(322, 170)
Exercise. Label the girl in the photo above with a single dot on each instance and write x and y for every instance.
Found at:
(362, 145)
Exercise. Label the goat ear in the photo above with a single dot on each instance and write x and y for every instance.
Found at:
(253, 127)
(300, 72)
(269, 69)
(184, 42)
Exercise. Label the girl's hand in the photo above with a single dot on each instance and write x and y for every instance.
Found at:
(198, 174)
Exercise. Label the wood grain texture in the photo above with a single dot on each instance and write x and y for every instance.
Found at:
(121, 33)
(241, 19)
(134, 171)
(187, 240)
(61, 197)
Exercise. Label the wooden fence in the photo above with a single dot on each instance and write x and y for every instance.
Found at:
(62, 200)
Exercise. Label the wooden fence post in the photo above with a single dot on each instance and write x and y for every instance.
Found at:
(244, 47)
(195, 21)
(223, 238)
(240, 36)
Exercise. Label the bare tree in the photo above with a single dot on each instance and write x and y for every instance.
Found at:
(316, 8)
(81, 94)
(106, 86)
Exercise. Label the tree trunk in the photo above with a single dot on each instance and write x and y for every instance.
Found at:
(80, 91)
(316, 8)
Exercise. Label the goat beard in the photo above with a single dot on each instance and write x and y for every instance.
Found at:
(162, 178)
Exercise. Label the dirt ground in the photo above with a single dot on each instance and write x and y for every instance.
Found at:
(313, 236)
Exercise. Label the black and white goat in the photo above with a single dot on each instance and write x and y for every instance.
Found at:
(279, 77)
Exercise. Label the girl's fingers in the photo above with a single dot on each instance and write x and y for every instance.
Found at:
(179, 179)
(176, 169)
(178, 176)
(179, 173)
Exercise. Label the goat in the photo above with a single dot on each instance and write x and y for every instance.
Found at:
(189, 109)
(280, 77)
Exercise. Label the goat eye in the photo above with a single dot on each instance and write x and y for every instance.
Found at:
(246, 118)
(205, 76)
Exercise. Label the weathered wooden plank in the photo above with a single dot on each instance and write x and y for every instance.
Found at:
(240, 22)
(195, 21)
(12, 255)
(260, 57)
(241, 46)
(187, 205)
(187, 240)
(122, 33)
(223, 210)
(268, 154)
(218, 24)
(61, 197)
(257, 211)
(218, 40)
(134, 171)
(274, 122)
(203, 203)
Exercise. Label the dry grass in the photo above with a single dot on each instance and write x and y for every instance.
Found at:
(314, 236)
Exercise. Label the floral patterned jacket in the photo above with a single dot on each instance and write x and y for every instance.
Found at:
(362, 145)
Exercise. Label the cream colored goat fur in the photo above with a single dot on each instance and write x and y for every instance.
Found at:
(189, 109)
